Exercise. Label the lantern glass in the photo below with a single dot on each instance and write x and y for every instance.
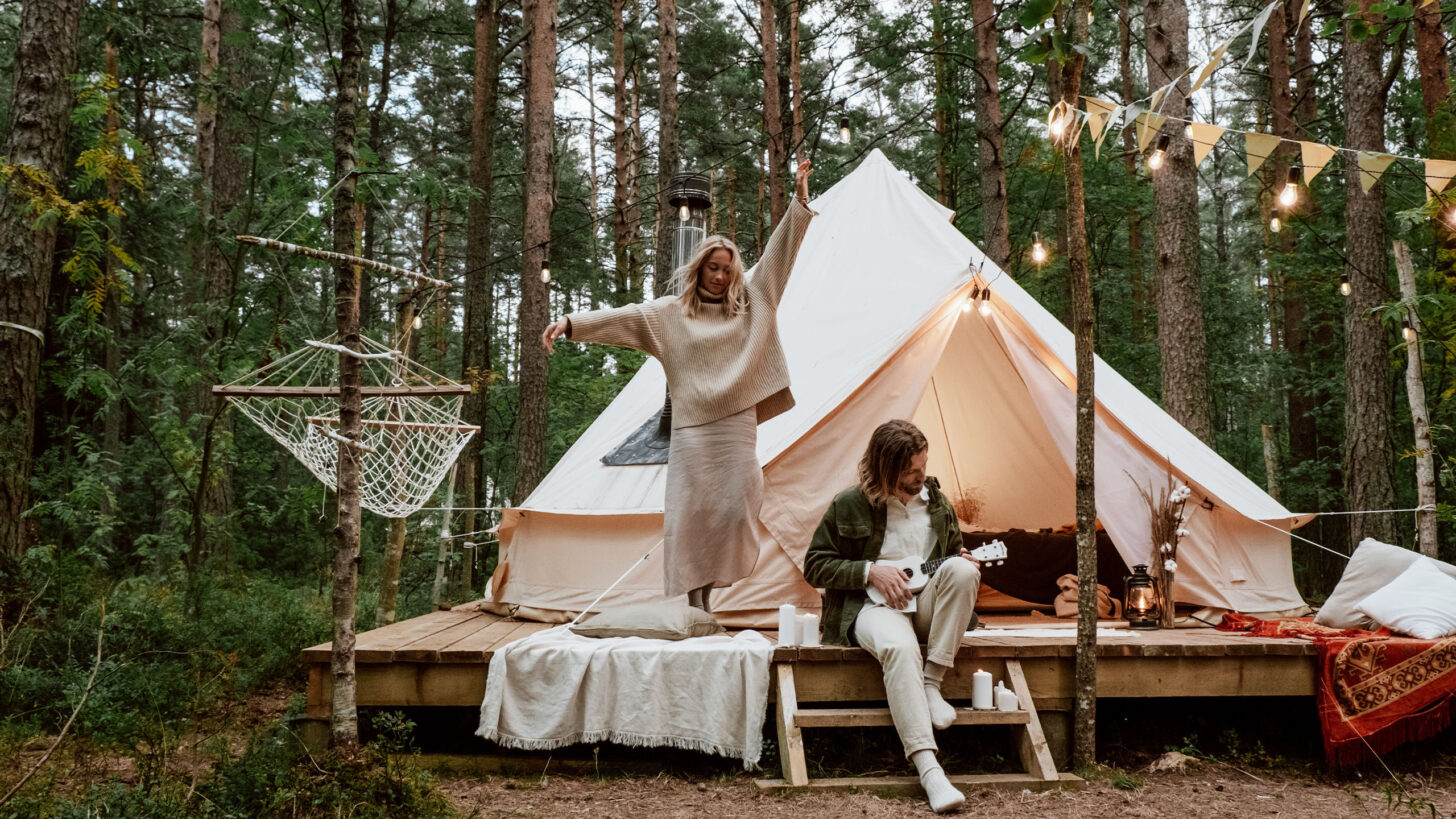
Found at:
(1141, 600)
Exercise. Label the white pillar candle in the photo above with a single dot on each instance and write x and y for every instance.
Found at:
(788, 626)
(1006, 699)
(809, 630)
(981, 691)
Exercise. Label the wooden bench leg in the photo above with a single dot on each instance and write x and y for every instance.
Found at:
(791, 739)
(1035, 754)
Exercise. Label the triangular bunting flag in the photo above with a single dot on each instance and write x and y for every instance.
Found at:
(1314, 156)
(1304, 11)
(1438, 175)
(1258, 147)
(1205, 136)
(1372, 165)
(1258, 26)
(1148, 126)
(1209, 67)
(1099, 114)
(1158, 95)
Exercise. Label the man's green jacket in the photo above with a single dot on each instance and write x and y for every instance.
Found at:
(849, 537)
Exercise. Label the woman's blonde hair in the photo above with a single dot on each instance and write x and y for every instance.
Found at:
(892, 445)
(686, 277)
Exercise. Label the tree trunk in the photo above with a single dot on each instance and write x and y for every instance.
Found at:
(667, 159)
(1434, 67)
(368, 310)
(796, 82)
(1181, 343)
(539, 68)
(1368, 433)
(475, 360)
(1129, 164)
(40, 107)
(942, 103)
(773, 120)
(1084, 745)
(221, 178)
(622, 164)
(990, 135)
(345, 724)
(1415, 390)
(111, 309)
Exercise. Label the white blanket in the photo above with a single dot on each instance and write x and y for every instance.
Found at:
(556, 688)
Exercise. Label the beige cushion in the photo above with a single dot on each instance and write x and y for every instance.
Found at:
(1373, 565)
(659, 621)
(1420, 602)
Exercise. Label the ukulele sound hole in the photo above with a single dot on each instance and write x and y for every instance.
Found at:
(908, 574)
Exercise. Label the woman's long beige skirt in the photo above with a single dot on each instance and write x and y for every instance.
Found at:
(714, 494)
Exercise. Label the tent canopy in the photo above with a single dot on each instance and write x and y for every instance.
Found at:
(873, 328)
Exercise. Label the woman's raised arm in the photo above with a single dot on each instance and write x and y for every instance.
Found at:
(777, 261)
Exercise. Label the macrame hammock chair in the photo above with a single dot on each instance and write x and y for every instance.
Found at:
(411, 431)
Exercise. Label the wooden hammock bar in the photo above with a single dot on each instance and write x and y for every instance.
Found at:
(331, 256)
(321, 421)
(264, 391)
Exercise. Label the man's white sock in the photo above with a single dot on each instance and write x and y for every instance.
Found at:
(942, 713)
(942, 795)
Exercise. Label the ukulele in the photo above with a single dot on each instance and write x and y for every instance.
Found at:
(918, 572)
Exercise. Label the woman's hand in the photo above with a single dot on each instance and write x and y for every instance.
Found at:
(555, 330)
(801, 179)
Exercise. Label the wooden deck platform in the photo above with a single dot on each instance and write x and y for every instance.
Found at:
(439, 659)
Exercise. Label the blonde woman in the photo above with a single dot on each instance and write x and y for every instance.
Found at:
(719, 345)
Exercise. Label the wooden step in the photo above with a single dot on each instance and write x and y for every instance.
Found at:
(863, 717)
(910, 785)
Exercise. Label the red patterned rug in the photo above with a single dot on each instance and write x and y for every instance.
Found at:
(1376, 690)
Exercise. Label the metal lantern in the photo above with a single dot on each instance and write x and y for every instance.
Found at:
(691, 200)
(1140, 603)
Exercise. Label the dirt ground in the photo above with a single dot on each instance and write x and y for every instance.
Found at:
(1209, 789)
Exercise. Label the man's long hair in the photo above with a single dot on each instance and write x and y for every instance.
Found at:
(891, 447)
(735, 299)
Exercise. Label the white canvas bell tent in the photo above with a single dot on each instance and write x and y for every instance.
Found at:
(873, 327)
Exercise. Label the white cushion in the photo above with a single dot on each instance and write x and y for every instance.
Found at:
(1373, 565)
(660, 621)
(1420, 602)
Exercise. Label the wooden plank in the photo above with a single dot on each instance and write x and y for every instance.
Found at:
(910, 785)
(865, 717)
(427, 648)
(479, 646)
(791, 739)
(376, 645)
(1032, 744)
(318, 701)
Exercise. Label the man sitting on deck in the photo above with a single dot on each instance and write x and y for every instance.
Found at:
(895, 512)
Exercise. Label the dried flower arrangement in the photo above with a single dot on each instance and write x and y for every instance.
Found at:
(968, 507)
(1166, 511)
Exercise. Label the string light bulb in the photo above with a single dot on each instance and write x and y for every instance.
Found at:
(545, 271)
(1188, 131)
(1290, 194)
(971, 299)
(418, 322)
(844, 129)
(1275, 225)
(1057, 125)
(1344, 284)
(683, 213)
(1090, 16)
(1156, 160)
(985, 305)
(1038, 250)
(1407, 332)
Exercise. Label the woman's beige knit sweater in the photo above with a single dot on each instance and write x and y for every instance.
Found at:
(716, 365)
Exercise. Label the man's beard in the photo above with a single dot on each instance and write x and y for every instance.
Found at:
(912, 487)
